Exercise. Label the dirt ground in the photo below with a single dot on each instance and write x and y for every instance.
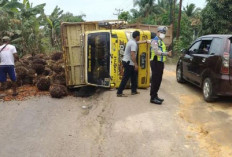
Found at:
(104, 125)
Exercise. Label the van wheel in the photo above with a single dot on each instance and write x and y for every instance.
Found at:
(179, 75)
(208, 90)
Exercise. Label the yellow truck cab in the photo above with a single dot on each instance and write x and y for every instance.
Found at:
(93, 55)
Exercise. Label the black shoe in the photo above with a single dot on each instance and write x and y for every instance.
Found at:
(121, 95)
(133, 93)
(159, 99)
(155, 101)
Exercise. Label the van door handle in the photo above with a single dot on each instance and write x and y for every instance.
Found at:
(203, 60)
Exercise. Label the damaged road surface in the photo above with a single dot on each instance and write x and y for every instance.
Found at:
(104, 125)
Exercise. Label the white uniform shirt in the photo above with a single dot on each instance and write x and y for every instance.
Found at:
(7, 54)
(130, 46)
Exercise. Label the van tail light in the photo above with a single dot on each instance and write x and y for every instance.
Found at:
(225, 63)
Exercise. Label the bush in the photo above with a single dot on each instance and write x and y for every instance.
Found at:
(179, 45)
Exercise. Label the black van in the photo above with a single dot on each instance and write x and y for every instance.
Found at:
(207, 63)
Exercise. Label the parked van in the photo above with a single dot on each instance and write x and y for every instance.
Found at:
(207, 63)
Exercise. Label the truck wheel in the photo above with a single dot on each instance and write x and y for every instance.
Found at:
(179, 75)
(208, 90)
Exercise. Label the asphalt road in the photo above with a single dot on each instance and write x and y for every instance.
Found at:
(104, 125)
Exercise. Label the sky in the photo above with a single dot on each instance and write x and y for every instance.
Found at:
(96, 10)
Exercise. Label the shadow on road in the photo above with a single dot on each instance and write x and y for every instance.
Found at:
(88, 91)
(225, 102)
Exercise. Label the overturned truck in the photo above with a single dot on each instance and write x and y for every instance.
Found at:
(93, 53)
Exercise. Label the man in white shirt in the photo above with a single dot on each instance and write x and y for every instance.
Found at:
(8, 54)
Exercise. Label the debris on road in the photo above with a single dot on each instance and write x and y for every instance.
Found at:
(24, 92)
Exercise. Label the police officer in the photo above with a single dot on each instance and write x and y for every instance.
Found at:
(158, 57)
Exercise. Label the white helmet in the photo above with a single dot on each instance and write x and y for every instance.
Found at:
(162, 29)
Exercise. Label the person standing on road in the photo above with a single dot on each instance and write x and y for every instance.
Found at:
(158, 57)
(8, 54)
(130, 65)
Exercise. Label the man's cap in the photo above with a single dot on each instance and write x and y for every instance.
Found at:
(6, 38)
(162, 29)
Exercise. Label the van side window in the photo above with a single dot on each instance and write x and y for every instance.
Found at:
(216, 46)
(205, 46)
(195, 47)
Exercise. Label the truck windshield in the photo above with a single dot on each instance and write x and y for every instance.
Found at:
(99, 58)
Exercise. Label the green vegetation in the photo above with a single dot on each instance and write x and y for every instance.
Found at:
(215, 18)
(34, 32)
(30, 29)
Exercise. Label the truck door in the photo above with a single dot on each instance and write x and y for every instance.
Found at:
(98, 58)
(72, 35)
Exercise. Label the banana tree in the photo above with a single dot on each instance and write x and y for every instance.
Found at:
(10, 6)
(8, 10)
(53, 27)
(30, 39)
(193, 13)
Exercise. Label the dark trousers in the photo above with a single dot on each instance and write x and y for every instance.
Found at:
(129, 72)
(157, 69)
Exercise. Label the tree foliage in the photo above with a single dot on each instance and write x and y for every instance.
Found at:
(30, 29)
(34, 32)
(191, 11)
(216, 17)
(124, 16)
